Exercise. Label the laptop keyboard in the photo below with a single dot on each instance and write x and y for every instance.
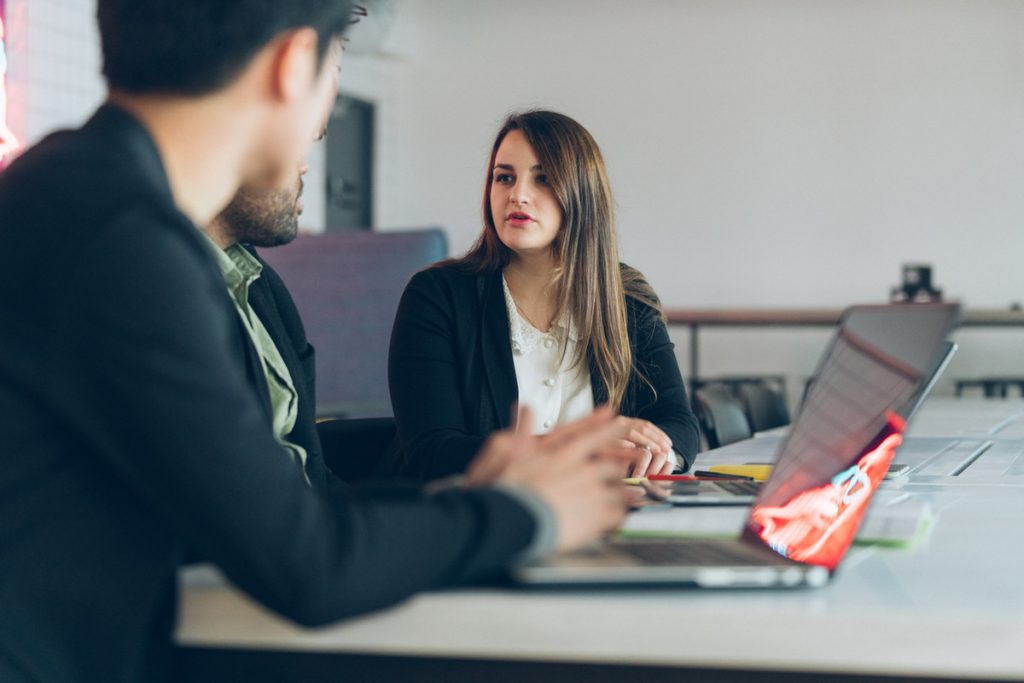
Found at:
(735, 488)
(740, 488)
(693, 552)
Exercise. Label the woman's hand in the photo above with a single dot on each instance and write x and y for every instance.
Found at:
(653, 446)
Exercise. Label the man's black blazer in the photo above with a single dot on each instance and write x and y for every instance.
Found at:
(453, 380)
(130, 434)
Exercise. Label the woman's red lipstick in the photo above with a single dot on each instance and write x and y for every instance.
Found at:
(519, 218)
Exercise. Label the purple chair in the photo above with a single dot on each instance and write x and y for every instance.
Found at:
(347, 286)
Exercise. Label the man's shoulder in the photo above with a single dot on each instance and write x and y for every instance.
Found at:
(110, 145)
(74, 185)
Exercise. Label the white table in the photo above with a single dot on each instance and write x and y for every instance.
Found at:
(951, 606)
(950, 442)
(979, 418)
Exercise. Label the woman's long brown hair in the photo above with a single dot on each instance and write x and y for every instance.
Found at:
(589, 284)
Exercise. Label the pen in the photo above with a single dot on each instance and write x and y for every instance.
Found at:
(721, 475)
(672, 477)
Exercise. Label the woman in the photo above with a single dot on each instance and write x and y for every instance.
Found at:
(539, 311)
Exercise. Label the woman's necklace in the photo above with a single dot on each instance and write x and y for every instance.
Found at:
(529, 319)
(532, 317)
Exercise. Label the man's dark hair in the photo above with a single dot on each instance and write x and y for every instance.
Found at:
(194, 47)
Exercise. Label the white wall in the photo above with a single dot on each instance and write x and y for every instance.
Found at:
(54, 65)
(762, 152)
(783, 153)
(54, 82)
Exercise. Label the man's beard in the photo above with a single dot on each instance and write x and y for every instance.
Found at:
(262, 218)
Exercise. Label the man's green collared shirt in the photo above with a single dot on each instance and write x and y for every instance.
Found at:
(240, 269)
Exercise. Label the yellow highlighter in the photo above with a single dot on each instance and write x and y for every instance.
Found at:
(755, 472)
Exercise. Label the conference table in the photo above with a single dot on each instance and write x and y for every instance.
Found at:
(948, 605)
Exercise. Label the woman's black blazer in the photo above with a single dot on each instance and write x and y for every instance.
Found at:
(453, 381)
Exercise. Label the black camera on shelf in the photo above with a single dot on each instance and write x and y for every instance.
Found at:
(917, 285)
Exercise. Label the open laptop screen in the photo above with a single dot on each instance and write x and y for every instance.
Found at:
(844, 438)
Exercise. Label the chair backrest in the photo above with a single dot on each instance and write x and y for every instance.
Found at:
(721, 416)
(764, 407)
(347, 286)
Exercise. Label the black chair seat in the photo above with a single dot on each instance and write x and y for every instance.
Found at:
(353, 448)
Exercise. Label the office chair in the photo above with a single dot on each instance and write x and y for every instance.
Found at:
(764, 407)
(992, 387)
(734, 382)
(353, 447)
(346, 286)
(720, 415)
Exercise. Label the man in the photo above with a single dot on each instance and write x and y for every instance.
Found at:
(279, 362)
(129, 432)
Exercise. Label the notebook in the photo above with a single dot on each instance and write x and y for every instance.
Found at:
(827, 470)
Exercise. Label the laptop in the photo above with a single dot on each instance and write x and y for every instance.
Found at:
(828, 468)
(739, 492)
(706, 492)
